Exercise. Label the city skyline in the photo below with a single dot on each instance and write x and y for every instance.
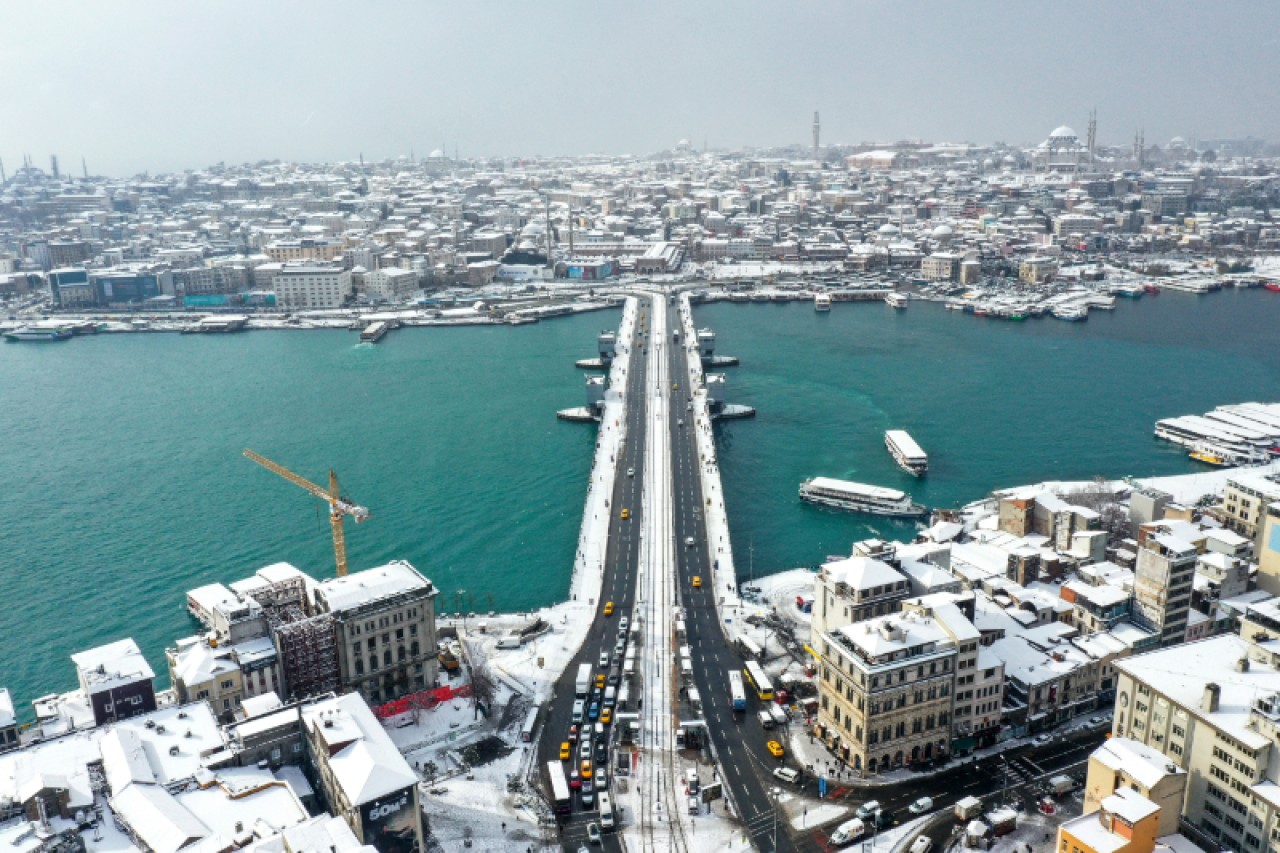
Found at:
(152, 90)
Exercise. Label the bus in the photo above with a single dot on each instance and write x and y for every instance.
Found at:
(530, 726)
(749, 648)
(561, 802)
(606, 811)
(736, 694)
(758, 680)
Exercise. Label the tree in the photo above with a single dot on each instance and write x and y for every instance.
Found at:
(430, 769)
(484, 687)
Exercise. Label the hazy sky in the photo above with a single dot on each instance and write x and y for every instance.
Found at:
(160, 86)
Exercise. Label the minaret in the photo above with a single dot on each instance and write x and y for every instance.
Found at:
(3, 177)
(84, 167)
(53, 166)
(1093, 131)
(817, 129)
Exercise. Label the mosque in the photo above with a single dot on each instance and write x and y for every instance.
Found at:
(1062, 152)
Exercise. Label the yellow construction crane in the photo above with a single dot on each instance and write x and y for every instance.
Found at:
(338, 505)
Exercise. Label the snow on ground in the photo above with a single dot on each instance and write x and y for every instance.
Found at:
(1188, 488)
(815, 816)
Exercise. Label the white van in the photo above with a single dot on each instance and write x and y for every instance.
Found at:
(766, 719)
(778, 713)
(578, 706)
(691, 779)
(849, 832)
(921, 845)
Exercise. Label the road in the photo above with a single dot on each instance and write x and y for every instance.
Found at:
(619, 584)
(737, 738)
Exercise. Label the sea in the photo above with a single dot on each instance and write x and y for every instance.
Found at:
(123, 483)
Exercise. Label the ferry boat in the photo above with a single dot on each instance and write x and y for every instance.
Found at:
(1211, 454)
(1192, 430)
(906, 452)
(373, 332)
(38, 334)
(822, 302)
(1071, 313)
(895, 300)
(859, 497)
(1273, 286)
(739, 297)
(1153, 289)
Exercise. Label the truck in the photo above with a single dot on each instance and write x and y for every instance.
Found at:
(583, 686)
(967, 808)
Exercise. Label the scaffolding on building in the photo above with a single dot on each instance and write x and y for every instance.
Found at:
(308, 649)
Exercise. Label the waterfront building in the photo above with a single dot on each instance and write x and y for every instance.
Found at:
(885, 691)
(391, 284)
(70, 288)
(116, 680)
(363, 778)
(1213, 709)
(1037, 269)
(8, 721)
(385, 630)
(302, 287)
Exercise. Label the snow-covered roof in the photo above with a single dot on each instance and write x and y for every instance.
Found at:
(862, 573)
(7, 716)
(112, 665)
(363, 761)
(157, 818)
(360, 588)
(1182, 672)
(1143, 764)
(1130, 805)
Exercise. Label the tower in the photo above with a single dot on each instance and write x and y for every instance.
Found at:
(1093, 131)
(84, 167)
(817, 129)
(3, 177)
(53, 166)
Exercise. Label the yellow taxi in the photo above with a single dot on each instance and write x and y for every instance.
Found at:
(606, 716)
(600, 680)
(697, 581)
(608, 608)
(626, 513)
(586, 768)
(775, 749)
(564, 751)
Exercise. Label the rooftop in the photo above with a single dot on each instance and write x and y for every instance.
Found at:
(363, 760)
(1143, 764)
(361, 588)
(112, 665)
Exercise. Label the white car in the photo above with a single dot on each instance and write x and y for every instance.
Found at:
(920, 806)
(1041, 740)
(631, 472)
(593, 833)
(604, 660)
(786, 774)
(868, 809)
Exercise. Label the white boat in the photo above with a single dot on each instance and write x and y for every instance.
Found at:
(859, 497)
(38, 334)
(373, 332)
(822, 302)
(895, 300)
(906, 452)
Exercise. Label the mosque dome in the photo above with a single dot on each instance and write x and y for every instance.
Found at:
(1064, 134)
(942, 232)
(888, 229)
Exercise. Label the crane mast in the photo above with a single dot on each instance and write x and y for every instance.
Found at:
(339, 507)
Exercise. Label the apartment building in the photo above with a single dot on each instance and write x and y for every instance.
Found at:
(1121, 763)
(886, 691)
(1162, 584)
(1245, 499)
(847, 591)
(1213, 709)
(941, 266)
(1124, 822)
(116, 680)
(1268, 547)
(301, 287)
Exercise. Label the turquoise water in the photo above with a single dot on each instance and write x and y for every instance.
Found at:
(124, 485)
(994, 403)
